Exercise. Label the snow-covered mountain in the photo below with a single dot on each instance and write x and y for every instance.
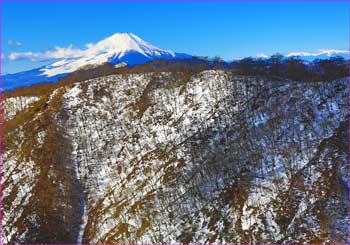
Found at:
(125, 48)
(321, 54)
(311, 56)
(121, 49)
(166, 158)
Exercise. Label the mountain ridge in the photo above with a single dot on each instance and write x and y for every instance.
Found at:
(171, 158)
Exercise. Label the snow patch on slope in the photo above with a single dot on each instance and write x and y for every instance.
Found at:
(13, 105)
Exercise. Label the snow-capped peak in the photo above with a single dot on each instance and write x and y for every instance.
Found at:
(327, 52)
(310, 56)
(123, 47)
(123, 42)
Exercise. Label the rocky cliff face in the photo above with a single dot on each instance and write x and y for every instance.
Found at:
(159, 158)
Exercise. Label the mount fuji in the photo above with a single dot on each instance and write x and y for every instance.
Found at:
(120, 49)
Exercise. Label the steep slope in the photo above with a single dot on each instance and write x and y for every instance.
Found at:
(41, 196)
(120, 49)
(163, 158)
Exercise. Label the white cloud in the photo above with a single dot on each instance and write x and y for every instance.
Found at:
(90, 49)
(14, 43)
(262, 55)
(89, 45)
(57, 53)
(61, 53)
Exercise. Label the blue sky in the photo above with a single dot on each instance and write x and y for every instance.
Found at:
(227, 29)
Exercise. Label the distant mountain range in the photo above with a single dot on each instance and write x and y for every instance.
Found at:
(120, 49)
(308, 56)
(321, 54)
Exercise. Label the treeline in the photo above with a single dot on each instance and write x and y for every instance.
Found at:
(294, 68)
(33, 90)
(185, 66)
(276, 66)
